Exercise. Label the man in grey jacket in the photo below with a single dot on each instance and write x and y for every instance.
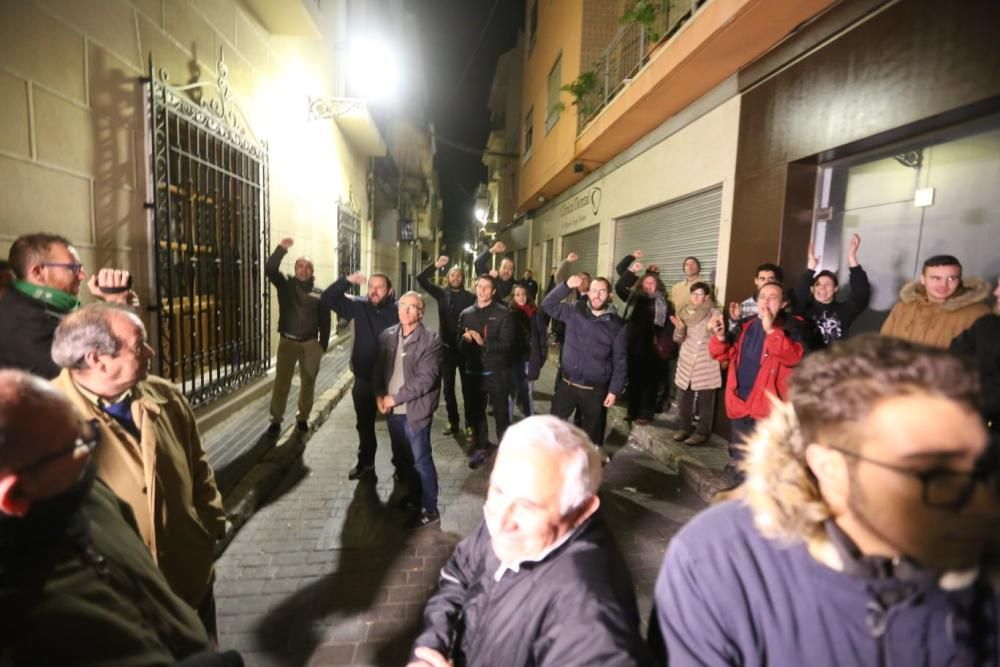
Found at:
(407, 383)
(304, 328)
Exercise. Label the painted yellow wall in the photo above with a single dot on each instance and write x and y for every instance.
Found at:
(72, 145)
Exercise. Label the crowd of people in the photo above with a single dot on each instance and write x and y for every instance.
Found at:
(864, 469)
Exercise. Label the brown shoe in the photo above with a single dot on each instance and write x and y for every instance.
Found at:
(697, 439)
(681, 435)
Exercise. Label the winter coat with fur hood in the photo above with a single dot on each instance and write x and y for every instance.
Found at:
(916, 319)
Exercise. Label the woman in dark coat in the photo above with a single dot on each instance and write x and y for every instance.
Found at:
(529, 350)
(648, 312)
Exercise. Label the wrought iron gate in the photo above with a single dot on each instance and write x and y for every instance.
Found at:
(209, 238)
(348, 249)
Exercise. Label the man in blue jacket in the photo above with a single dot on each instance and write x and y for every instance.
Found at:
(593, 355)
(865, 534)
(371, 316)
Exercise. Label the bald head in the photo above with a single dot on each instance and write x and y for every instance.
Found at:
(31, 412)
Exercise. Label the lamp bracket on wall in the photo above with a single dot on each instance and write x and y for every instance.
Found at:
(911, 159)
(331, 107)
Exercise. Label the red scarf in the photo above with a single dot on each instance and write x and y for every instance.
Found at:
(528, 309)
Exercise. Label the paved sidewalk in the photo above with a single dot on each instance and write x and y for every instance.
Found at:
(324, 574)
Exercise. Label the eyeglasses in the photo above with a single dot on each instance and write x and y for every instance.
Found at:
(698, 293)
(409, 306)
(598, 291)
(944, 488)
(73, 267)
(88, 438)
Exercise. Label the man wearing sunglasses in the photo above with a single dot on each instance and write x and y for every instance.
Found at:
(866, 532)
(48, 274)
(77, 586)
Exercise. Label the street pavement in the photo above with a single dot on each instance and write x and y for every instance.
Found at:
(325, 574)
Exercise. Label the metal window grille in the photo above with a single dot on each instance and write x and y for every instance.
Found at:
(348, 250)
(209, 229)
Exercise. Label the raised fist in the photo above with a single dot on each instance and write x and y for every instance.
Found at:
(574, 281)
(812, 259)
(498, 248)
(356, 278)
(637, 253)
(441, 262)
(636, 267)
(286, 243)
(572, 257)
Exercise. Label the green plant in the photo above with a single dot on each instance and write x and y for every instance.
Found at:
(580, 87)
(644, 12)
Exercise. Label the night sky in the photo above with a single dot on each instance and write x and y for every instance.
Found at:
(449, 33)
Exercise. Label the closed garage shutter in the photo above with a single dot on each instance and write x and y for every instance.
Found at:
(670, 232)
(584, 244)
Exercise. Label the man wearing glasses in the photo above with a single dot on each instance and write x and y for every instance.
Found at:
(866, 532)
(593, 355)
(77, 586)
(152, 456)
(48, 275)
(939, 305)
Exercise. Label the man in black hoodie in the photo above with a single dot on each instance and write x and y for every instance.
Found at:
(451, 301)
(304, 328)
(487, 336)
(815, 295)
(371, 316)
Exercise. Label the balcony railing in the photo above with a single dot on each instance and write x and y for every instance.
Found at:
(627, 54)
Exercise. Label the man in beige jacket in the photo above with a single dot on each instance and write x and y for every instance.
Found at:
(938, 306)
(152, 456)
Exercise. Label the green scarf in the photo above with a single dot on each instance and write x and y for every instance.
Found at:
(63, 302)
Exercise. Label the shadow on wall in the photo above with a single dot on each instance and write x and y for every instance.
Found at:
(119, 183)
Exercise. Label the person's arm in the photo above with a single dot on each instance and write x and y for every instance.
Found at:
(624, 264)
(426, 373)
(324, 327)
(565, 269)
(680, 329)
(205, 494)
(379, 381)
(443, 611)
(552, 303)
(858, 299)
(272, 268)
(425, 279)
(619, 363)
(335, 298)
(802, 293)
(623, 286)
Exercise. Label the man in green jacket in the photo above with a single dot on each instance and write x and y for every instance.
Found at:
(77, 585)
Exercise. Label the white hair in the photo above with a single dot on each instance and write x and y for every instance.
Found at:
(88, 330)
(582, 460)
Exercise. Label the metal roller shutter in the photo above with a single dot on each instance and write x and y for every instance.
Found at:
(584, 243)
(670, 232)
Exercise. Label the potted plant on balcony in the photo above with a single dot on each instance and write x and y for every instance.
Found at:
(580, 88)
(644, 13)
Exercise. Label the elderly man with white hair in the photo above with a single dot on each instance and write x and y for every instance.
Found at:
(151, 456)
(541, 581)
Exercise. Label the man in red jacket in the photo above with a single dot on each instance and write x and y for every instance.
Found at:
(760, 362)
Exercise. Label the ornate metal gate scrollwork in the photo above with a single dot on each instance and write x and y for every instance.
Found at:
(210, 229)
(348, 246)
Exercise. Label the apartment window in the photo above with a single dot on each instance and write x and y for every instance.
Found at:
(553, 107)
(533, 26)
(528, 132)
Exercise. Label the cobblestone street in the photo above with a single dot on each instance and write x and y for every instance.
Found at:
(324, 574)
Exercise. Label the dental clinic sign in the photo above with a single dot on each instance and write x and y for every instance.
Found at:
(580, 207)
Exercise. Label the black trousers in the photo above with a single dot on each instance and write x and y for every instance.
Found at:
(453, 363)
(705, 399)
(644, 374)
(491, 387)
(363, 394)
(588, 405)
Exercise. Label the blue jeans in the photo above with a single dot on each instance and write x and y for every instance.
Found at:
(418, 469)
(519, 389)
